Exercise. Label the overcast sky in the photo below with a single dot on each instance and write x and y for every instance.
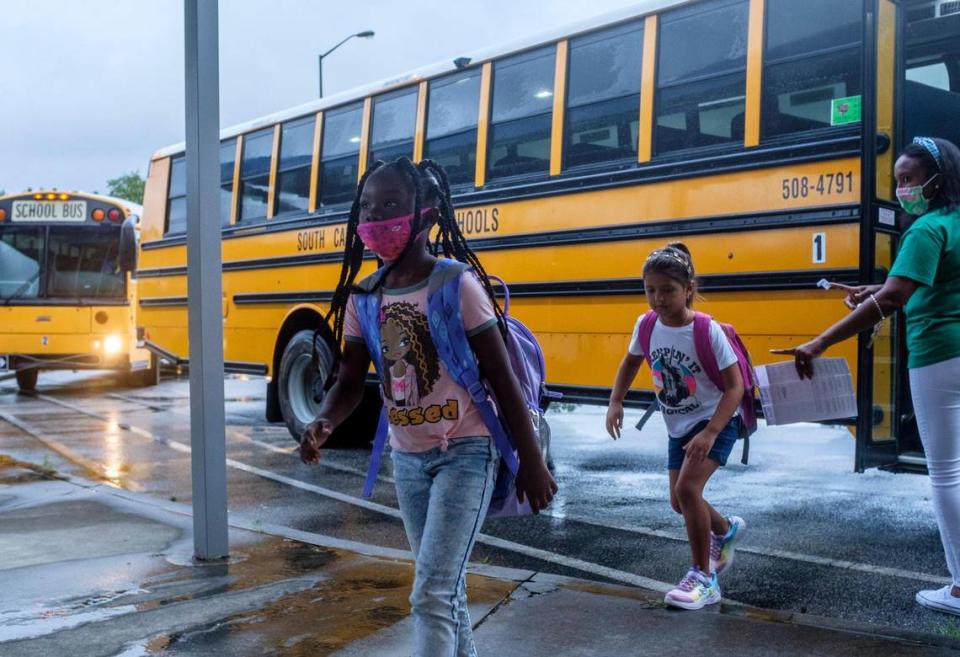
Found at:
(93, 88)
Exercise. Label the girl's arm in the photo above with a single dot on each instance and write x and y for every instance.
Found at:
(339, 402)
(698, 448)
(626, 373)
(894, 294)
(533, 479)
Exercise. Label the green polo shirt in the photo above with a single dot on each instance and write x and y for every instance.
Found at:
(930, 255)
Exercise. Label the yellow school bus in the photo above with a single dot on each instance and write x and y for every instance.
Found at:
(67, 297)
(735, 125)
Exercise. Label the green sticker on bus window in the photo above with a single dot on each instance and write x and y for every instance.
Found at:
(845, 110)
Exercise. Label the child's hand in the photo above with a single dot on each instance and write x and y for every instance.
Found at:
(614, 419)
(314, 436)
(698, 448)
(535, 483)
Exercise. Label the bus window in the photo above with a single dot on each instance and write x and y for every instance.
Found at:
(228, 155)
(452, 114)
(177, 197)
(293, 171)
(394, 116)
(84, 264)
(931, 92)
(811, 57)
(521, 117)
(20, 249)
(340, 154)
(701, 90)
(255, 175)
(603, 96)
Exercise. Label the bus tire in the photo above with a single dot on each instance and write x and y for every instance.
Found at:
(298, 379)
(27, 379)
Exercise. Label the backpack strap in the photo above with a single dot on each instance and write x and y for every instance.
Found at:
(705, 353)
(368, 314)
(456, 354)
(645, 332)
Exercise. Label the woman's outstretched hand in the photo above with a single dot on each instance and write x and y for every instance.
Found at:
(313, 438)
(859, 294)
(803, 355)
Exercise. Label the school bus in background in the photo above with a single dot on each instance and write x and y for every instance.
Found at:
(768, 148)
(67, 297)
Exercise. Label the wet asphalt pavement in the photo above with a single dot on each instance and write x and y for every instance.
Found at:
(821, 540)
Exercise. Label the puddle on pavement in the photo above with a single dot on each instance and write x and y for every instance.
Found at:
(360, 596)
(14, 472)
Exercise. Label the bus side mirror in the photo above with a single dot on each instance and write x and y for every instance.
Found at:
(128, 244)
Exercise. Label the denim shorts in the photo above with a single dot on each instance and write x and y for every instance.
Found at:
(720, 451)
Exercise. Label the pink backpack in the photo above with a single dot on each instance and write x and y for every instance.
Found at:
(708, 359)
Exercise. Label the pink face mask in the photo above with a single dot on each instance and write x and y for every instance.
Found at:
(387, 238)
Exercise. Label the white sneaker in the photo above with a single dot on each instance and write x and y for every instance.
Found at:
(695, 591)
(940, 599)
(722, 547)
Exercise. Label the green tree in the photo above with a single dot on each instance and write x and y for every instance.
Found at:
(128, 186)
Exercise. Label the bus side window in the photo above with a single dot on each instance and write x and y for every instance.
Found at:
(177, 197)
(340, 155)
(603, 96)
(391, 135)
(228, 155)
(701, 89)
(522, 114)
(930, 104)
(452, 114)
(811, 57)
(255, 175)
(293, 172)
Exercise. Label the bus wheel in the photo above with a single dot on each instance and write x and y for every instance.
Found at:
(300, 381)
(543, 438)
(27, 379)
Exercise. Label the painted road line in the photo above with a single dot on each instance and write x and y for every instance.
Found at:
(773, 553)
(96, 469)
(493, 541)
(545, 555)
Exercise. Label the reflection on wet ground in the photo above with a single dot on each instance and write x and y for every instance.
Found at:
(88, 574)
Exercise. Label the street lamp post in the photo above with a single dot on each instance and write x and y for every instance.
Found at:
(366, 34)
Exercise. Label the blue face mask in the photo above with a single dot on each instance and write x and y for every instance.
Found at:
(912, 199)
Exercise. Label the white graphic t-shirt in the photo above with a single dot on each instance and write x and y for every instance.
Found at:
(686, 394)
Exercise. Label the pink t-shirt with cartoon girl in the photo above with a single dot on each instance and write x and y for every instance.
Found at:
(426, 407)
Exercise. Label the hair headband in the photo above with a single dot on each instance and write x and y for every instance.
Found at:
(931, 147)
(673, 255)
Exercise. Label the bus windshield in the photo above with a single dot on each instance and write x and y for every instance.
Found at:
(20, 250)
(59, 262)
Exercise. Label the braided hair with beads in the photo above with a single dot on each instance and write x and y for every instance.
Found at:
(430, 185)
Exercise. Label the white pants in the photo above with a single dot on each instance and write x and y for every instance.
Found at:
(936, 400)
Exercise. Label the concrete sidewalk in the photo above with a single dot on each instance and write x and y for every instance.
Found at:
(87, 570)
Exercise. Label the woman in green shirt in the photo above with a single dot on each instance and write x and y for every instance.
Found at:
(925, 282)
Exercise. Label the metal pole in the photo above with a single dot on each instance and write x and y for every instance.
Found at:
(207, 434)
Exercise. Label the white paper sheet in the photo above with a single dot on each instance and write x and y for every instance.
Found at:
(786, 398)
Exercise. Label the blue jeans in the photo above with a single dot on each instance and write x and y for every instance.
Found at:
(443, 500)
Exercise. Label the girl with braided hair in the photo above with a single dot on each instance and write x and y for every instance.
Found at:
(444, 460)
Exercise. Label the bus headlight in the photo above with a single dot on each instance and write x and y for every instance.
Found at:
(112, 344)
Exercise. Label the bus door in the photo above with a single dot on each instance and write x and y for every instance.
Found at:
(882, 395)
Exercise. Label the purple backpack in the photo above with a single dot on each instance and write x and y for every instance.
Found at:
(453, 348)
(708, 359)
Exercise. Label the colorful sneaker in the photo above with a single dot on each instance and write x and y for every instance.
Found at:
(940, 599)
(721, 547)
(695, 591)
